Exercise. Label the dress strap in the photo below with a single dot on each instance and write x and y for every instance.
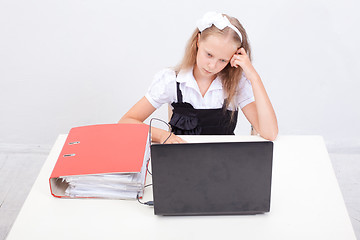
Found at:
(179, 93)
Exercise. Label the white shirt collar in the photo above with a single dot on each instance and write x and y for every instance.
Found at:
(187, 77)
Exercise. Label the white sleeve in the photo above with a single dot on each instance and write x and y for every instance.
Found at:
(163, 88)
(244, 93)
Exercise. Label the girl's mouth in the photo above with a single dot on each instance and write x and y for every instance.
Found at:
(207, 71)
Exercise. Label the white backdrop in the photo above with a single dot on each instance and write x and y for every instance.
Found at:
(67, 63)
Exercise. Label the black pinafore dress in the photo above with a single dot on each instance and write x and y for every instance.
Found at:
(186, 120)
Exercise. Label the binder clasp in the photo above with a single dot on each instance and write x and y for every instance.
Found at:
(69, 155)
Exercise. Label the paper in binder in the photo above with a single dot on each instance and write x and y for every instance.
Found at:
(102, 161)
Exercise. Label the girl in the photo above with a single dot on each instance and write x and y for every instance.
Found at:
(214, 80)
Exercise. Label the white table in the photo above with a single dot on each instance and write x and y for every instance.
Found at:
(306, 203)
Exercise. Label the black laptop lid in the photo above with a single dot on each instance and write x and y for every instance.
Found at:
(212, 178)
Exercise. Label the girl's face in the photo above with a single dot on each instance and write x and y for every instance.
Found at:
(214, 53)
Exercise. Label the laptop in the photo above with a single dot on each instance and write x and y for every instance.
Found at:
(221, 178)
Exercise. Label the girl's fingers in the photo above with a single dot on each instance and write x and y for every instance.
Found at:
(179, 140)
(240, 58)
(175, 139)
(241, 51)
(233, 60)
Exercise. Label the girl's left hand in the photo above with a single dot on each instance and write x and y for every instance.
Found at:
(240, 58)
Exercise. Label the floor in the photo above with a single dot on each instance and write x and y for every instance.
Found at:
(19, 167)
(347, 171)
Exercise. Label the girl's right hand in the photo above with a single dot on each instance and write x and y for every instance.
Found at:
(172, 139)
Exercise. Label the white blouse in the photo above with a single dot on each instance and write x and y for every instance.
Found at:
(163, 90)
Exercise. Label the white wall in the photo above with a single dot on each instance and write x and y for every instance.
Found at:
(69, 63)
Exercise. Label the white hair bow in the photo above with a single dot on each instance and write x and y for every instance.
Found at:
(218, 20)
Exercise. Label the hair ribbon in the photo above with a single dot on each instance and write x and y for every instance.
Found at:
(218, 20)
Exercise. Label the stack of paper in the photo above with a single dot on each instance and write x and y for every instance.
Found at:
(103, 186)
(102, 161)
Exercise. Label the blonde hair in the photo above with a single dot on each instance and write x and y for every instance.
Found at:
(230, 76)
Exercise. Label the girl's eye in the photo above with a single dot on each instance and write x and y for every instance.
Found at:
(223, 61)
(209, 55)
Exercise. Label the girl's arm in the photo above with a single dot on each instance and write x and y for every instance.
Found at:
(259, 113)
(141, 111)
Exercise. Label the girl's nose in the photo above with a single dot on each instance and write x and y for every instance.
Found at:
(212, 64)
